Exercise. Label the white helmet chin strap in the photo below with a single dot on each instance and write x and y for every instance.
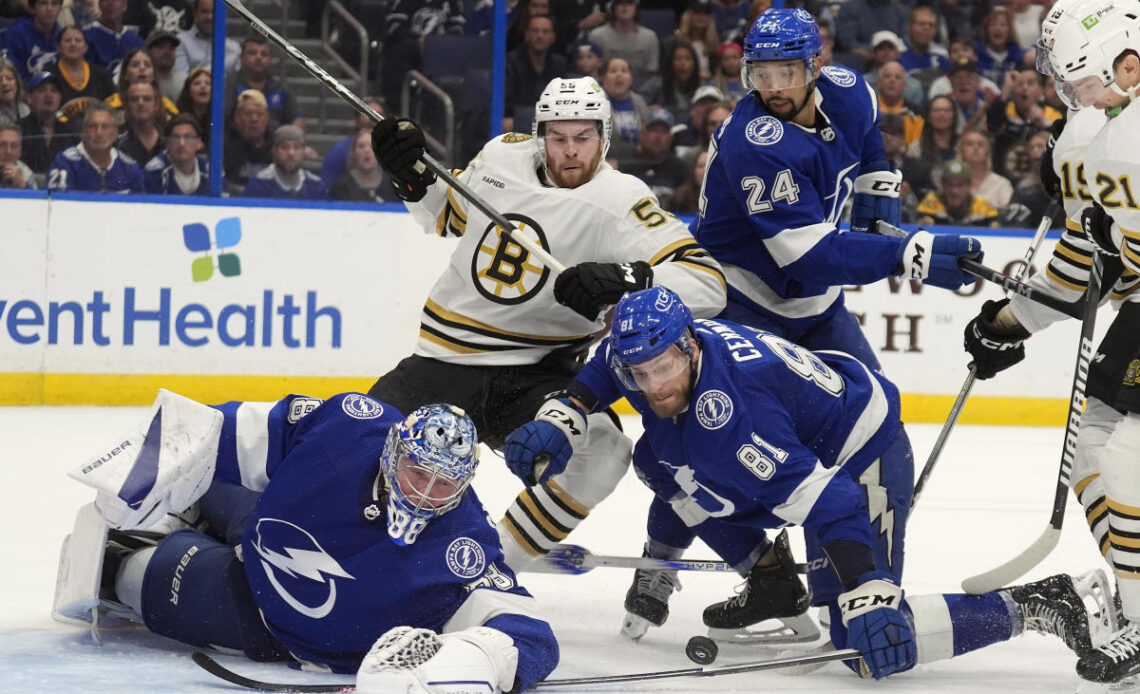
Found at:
(1130, 93)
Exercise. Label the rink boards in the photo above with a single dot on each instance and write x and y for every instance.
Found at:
(103, 301)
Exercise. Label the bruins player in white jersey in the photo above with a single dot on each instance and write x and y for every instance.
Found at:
(1091, 48)
(500, 336)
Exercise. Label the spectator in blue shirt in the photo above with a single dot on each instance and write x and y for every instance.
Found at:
(108, 40)
(923, 55)
(94, 164)
(31, 41)
(180, 170)
(285, 178)
(336, 159)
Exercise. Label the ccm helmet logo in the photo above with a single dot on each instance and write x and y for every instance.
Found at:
(565, 102)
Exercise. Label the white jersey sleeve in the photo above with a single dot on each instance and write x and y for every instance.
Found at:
(1112, 167)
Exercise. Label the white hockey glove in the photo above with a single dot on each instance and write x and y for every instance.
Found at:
(163, 465)
(419, 661)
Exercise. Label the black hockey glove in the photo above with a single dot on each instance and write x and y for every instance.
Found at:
(587, 287)
(1097, 226)
(1049, 178)
(399, 146)
(993, 349)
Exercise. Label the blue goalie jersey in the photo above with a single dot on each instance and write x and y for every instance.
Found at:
(325, 575)
(773, 195)
(774, 434)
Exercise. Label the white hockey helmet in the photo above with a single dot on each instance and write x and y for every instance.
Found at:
(1080, 41)
(581, 98)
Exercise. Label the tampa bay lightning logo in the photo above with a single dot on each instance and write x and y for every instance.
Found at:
(360, 406)
(298, 568)
(764, 130)
(841, 76)
(714, 409)
(465, 558)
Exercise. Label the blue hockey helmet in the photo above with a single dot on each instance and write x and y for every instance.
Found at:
(782, 35)
(645, 325)
(428, 462)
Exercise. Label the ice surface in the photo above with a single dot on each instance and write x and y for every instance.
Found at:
(989, 498)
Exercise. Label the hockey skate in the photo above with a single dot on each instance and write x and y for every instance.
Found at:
(647, 600)
(1056, 606)
(1115, 660)
(88, 563)
(771, 592)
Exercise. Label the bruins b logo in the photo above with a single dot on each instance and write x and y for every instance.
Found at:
(502, 270)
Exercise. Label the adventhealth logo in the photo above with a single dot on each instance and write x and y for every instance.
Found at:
(227, 234)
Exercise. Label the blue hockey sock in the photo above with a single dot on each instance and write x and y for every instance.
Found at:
(979, 620)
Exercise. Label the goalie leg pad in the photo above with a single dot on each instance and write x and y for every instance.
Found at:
(80, 570)
(163, 465)
(195, 591)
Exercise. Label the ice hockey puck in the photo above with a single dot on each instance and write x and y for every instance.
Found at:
(701, 650)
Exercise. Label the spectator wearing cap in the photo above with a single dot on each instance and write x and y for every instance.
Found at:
(108, 40)
(628, 108)
(246, 149)
(13, 172)
(654, 160)
(12, 104)
(162, 47)
(923, 57)
(968, 98)
(81, 83)
(32, 41)
(254, 73)
(687, 138)
(530, 67)
(1012, 122)
(886, 48)
(728, 56)
(181, 169)
(858, 22)
(890, 84)
(963, 50)
(44, 134)
(953, 204)
(95, 164)
(916, 177)
(622, 37)
(588, 60)
(144, 119)
(196, 44)
(285, 178)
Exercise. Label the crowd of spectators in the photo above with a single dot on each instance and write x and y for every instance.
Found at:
(964, 113)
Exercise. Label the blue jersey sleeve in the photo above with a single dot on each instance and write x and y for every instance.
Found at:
(538, 649)
(595, 385)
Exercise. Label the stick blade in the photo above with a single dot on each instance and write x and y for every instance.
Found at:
(1015, 568)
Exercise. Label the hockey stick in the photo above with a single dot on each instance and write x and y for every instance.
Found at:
(220, 671)
(1010, 571)
(575, 560)
(434, 166)
(1009, 284)
(968, 385)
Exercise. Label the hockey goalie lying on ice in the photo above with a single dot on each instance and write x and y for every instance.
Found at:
(339, 535)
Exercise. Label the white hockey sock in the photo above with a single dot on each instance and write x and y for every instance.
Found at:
(129, 579)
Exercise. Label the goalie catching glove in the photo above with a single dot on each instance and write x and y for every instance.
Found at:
(541, 448)
(876, 626)
(399, 145)
(934, 259)
(419, 661)
(588, 287)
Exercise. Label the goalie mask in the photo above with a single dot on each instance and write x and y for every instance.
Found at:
(572, 99)
(646, 326)
(427, 463)
(1080, 42)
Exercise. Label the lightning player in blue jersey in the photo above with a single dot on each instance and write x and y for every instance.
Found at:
(780, 171)
(746, 431)
(327, 524)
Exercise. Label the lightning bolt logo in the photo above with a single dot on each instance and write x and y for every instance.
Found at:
(301, 558)
(878, 507)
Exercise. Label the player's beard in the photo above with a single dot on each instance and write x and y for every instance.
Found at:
(577, 177)
(785, 108)
(674, 404)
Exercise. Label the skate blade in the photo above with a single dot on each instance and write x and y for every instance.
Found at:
(1093, 588)
(1128, 684)
(634, 627)
(798, 629)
